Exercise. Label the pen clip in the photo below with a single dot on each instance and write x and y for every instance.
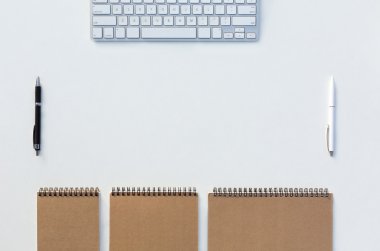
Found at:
(327, 137)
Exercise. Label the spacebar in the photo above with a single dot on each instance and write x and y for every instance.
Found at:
(168, 32)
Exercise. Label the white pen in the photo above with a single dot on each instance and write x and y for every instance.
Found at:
(330, 133)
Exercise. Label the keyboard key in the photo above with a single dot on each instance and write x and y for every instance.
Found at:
(251, 35)
(168, 21)
(97, 32)
(228, 35)
(128, 9)
(185, 9)
(204, 33)
(197, 9)
(171, 1)
(114, 1)
(191, 21)
(108, 33)
(151, 9)
(216, 33)
(174, 9)
(136, 1)
(161, 33)
(133, 32)
(205, 1)
(194, 1)
(134, 21)
(157, 20)
(208, 9)
(103, 20)
(225, 21)
(120, 33)
(180, 20)
(214, 21)
(239, 1)
(247, 9)
(216, 1)
(125, 1)
(99, 1)
(219, 9)
(116, 9)
(239, 29)
(228, 1)
(249, 21)
(148, 1)
(251, 1)
(140, 9)
(231, 9)
(145, 20)
(122, 20)
(239, 35)
(202, 21)
(101, 9)
(182, 1)
(162, 9)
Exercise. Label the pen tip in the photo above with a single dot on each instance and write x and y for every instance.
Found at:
(331, 153)
(36, 153)
(38, 81)
(332, 80)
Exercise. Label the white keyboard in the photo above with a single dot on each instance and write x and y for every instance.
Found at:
(175, 20)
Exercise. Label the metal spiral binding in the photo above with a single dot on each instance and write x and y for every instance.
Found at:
(154, 191)
(271, 192)
(68, 191)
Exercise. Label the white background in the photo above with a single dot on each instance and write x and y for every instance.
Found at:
(192, 114)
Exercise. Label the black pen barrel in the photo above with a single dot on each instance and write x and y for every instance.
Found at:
(37, 116)
(38, 105)
(37, 122)
(38, 94)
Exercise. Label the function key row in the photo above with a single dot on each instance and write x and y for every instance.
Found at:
(176, 1)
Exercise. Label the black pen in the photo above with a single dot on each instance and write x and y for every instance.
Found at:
(37, 117)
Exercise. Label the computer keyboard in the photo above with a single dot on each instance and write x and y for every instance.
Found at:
(175, 20)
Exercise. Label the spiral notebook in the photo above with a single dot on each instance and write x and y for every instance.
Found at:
(68, 219)
(146, 219)
(270, 220)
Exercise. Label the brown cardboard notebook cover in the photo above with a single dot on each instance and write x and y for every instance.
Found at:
(68, 219)
(146, 220)
(270, 220)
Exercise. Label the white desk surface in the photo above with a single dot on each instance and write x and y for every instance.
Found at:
(199, 114)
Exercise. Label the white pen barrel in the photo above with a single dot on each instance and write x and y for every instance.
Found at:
(331, 122)
(331, 116)
(332, 92)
